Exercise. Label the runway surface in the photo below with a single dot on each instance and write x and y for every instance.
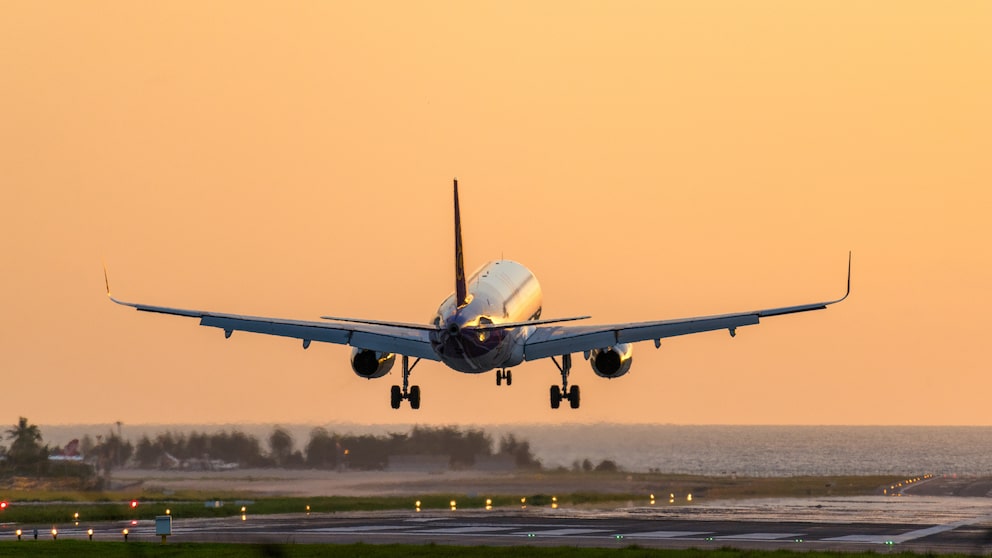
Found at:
(881, 525)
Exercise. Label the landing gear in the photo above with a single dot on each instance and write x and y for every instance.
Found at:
(564, 392)
(408, 392)
(504, 374)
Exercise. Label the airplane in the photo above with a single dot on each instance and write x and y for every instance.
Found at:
(492, 321)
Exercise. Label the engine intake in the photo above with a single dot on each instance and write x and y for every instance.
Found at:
(612, 362)
(371, 364)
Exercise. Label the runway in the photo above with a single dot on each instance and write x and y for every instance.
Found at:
(546, 527)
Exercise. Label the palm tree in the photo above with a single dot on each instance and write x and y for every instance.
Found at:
(25, 448)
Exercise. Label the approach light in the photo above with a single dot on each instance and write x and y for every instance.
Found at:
(134, 504)
(89, 533)
(55, 533)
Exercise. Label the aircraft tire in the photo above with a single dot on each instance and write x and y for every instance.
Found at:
(499, 377)
(573, 397)
(509, 377)
(555, 397)
(395, 396)
(415, 397)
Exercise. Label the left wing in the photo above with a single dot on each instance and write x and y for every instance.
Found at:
(383, 337)
(562, 340)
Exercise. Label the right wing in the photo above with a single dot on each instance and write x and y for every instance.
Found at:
(382, 337)
(561, 340)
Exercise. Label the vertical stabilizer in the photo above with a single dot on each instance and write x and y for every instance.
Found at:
(461, 292)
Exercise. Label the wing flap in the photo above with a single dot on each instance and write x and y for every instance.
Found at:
(548, 342)
(296, 331)
(417, 348)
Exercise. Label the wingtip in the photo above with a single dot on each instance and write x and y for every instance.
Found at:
(106, 280)
(847, 293)
(850, 256)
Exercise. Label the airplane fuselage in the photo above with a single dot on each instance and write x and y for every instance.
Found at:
(501, 291)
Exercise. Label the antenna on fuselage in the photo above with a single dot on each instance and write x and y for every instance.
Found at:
(461, 291)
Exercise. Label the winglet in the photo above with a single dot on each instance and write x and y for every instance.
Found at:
(850, 255)
(461, 290)
(106, 282)
(106, 279)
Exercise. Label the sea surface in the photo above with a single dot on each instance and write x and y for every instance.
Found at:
(711, 450)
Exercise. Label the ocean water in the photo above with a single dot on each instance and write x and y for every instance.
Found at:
(711, 450)
(770, 450)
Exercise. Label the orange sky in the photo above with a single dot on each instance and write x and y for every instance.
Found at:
(646, 160)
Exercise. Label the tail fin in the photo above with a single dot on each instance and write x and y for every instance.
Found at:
(461, 291)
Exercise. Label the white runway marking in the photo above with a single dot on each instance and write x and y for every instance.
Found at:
(875, 539)
(759, 536)
(465, 530)
(909, 535)
(562, 532)
(667, 534)
(358, 529)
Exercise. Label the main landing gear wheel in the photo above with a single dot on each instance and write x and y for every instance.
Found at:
(408, 392)
(504, 375)
(563, 392)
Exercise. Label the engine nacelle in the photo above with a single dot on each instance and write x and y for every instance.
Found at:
(612, 362)
(371, 364)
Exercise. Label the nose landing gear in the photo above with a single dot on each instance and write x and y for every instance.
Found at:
(408, 392)
(504, 374)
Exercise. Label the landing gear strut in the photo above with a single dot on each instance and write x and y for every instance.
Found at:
(564, 392)
(408, 392)
(504, 374)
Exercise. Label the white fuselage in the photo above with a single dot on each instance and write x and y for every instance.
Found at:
(500, 292)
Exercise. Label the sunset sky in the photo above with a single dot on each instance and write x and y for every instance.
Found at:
(646, 160)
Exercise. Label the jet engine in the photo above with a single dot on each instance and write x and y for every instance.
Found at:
(371, 364)
(612, 362)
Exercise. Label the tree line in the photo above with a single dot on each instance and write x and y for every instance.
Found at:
(28, 455)
(328, 450)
